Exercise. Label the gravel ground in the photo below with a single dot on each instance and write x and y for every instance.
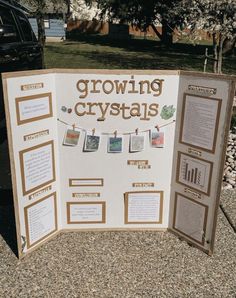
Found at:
(122, 264)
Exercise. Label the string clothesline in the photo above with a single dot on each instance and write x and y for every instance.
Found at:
(124, 133)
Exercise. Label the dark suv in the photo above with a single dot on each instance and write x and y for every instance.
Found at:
(19, 48)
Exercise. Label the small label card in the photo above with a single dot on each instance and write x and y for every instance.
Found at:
(193, 193)
(145, 167)
(202, 90)
(31, 86)
(85, 182)
(194, 152)
(85, 195)
(143, 184)
(36, 135)
(40, 192)
(137, 162)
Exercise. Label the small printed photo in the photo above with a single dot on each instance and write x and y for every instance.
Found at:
(115, 144)
(157, 139)
(137, 143)
(91, 142)
(71, 137)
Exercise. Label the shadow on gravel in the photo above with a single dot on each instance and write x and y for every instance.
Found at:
(7, 219)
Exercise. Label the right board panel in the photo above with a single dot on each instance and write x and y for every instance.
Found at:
(203, 113)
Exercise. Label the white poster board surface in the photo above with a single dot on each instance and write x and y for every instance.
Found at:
(108, 150)
(113, 108)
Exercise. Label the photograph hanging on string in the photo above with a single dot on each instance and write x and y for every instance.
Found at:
(92, 142)
(71, 137)
(115, 144)
(137, 142)
(157, 138)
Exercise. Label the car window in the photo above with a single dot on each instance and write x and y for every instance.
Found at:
(25, 27)
(8, 26)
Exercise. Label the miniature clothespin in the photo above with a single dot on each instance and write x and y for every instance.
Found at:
(157, 127)
(93, 131)
(115, 133)
(136, 131)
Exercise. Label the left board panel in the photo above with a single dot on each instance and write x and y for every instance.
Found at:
(30, 108)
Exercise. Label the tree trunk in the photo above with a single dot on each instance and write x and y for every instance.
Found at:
(220, 54)
(158, 34)
(41, 34)
(40, 12)
(229, 45)
(68, 12)
(41, 29)
(167, 33)
(215, 54)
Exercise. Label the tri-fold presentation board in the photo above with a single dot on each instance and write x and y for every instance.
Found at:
(120, 150)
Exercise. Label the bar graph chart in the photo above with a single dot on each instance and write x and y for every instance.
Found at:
(194, 172)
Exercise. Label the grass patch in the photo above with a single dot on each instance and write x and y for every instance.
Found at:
(100, 52)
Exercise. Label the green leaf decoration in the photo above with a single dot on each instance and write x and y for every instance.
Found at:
(167, 112)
